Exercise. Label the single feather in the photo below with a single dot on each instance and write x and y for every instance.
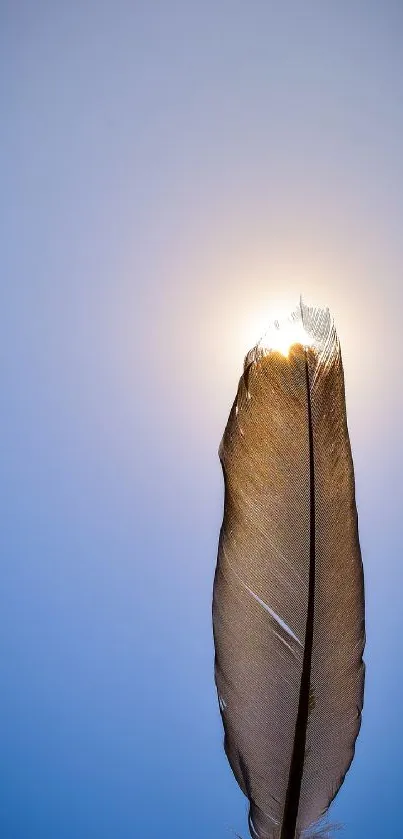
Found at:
(288, 600)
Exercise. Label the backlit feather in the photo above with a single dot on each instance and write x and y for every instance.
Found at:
(288, 603)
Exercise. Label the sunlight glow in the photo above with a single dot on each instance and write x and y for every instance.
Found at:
(283, 335)
(279, 334)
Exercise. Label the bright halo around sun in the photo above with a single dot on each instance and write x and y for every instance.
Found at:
(282, 335)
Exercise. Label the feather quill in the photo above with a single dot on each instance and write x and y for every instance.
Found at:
(288, 598)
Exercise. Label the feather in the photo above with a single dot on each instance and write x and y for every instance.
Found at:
(288, 598)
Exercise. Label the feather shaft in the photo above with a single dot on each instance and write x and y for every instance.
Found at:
(298, 755)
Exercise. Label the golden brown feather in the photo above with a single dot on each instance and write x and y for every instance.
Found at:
(288, 603)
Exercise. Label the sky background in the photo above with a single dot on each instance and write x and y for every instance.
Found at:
(173, 175)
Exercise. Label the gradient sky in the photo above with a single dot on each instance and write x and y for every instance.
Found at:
(174, 174)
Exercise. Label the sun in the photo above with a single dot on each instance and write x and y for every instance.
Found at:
(282, 335)
(277, 329)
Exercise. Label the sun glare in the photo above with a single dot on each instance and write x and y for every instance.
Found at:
(283, 335)
(275, 327)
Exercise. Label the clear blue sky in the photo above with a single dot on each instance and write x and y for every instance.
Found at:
(172, 173)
